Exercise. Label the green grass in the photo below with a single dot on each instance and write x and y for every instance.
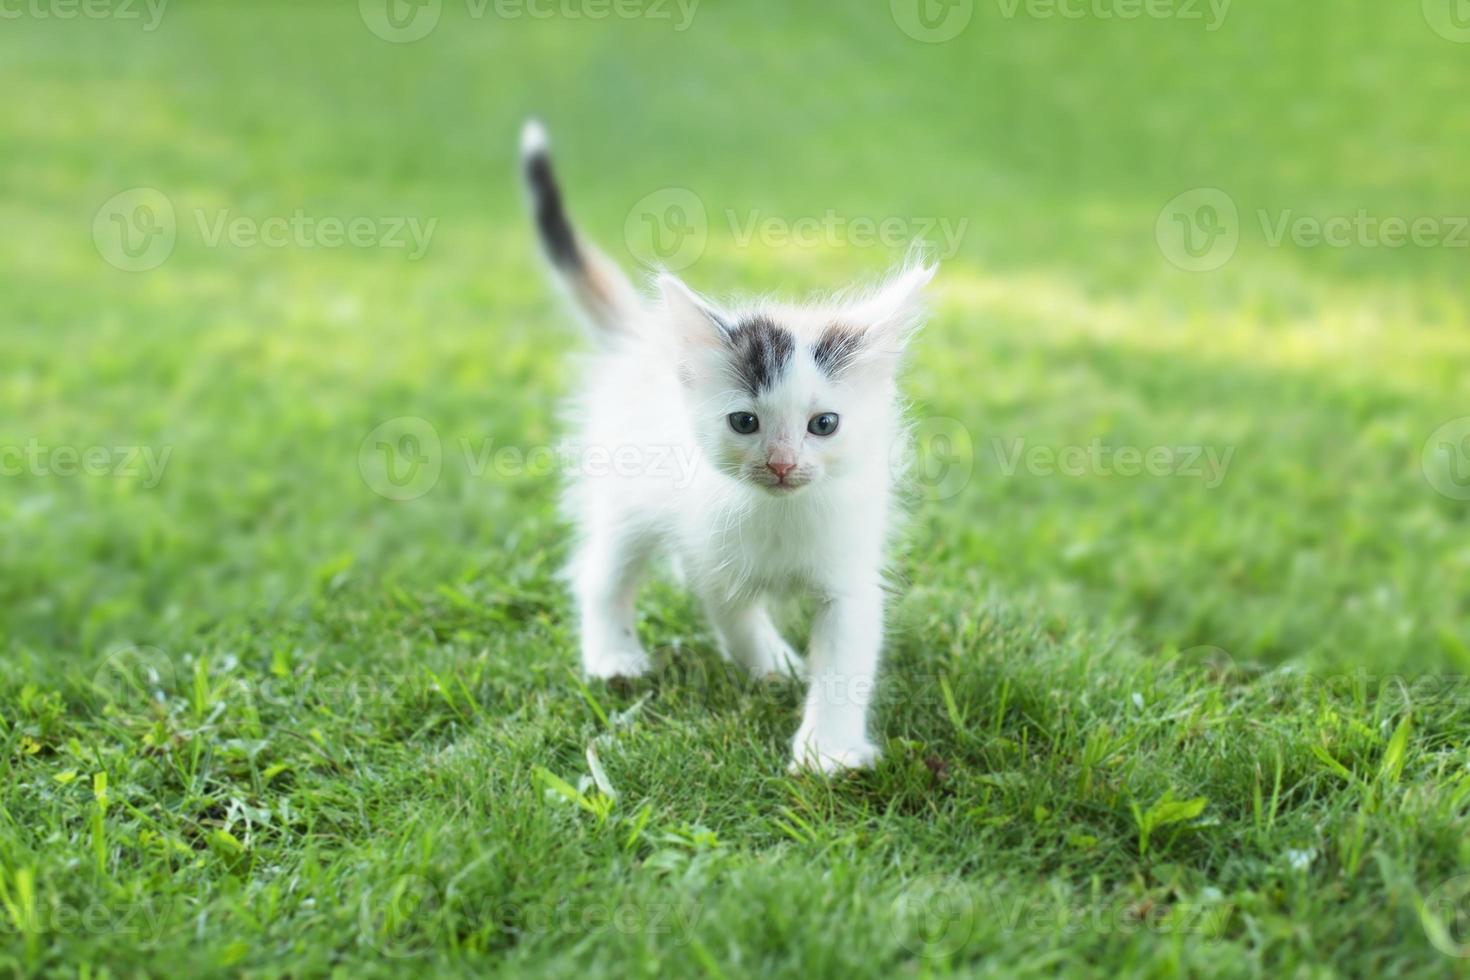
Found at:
(258, 718)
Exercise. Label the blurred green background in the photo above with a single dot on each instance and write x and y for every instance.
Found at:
(1067, 154)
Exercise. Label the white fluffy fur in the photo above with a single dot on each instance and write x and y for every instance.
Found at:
(662, 473)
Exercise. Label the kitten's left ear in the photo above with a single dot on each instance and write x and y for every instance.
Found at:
(697, 332)
(693, 319)
(891, 315)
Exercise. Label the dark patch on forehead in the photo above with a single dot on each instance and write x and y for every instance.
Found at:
(759, 351)
(836, 348)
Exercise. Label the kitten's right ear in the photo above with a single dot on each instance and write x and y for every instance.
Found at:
(694, 321)
(891, 314)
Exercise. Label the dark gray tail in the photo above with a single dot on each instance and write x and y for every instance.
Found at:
(599, 288)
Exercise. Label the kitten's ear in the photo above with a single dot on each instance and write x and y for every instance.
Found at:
(891, 314)
(695, 322)
(884, 321)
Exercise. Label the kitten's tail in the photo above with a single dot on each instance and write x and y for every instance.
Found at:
(599, 288)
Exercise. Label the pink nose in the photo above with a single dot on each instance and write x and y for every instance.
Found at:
(780, 469)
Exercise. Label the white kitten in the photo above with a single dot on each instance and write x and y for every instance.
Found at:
(755, 447)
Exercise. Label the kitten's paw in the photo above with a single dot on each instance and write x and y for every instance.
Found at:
(611, 663)
(829, 760)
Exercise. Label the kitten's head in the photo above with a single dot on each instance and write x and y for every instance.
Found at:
(784, 398)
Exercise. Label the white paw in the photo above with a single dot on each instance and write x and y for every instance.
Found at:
(829, 760)
(613, 662)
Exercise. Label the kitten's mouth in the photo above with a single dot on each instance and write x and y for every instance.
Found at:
(782, 488)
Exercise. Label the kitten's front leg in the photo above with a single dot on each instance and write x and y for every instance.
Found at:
(749, 637)
(843, 666)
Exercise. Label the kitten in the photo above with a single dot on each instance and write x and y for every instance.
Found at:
(754, 446)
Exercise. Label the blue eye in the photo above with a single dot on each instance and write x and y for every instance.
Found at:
(822, 425)
(744, 423)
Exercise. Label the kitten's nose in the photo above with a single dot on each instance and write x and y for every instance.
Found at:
(780, 469)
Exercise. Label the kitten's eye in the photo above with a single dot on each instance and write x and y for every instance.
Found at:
(822, 425)
(744, 423)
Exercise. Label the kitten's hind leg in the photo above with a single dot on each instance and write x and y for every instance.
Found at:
(606, 573)
(749, 637)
